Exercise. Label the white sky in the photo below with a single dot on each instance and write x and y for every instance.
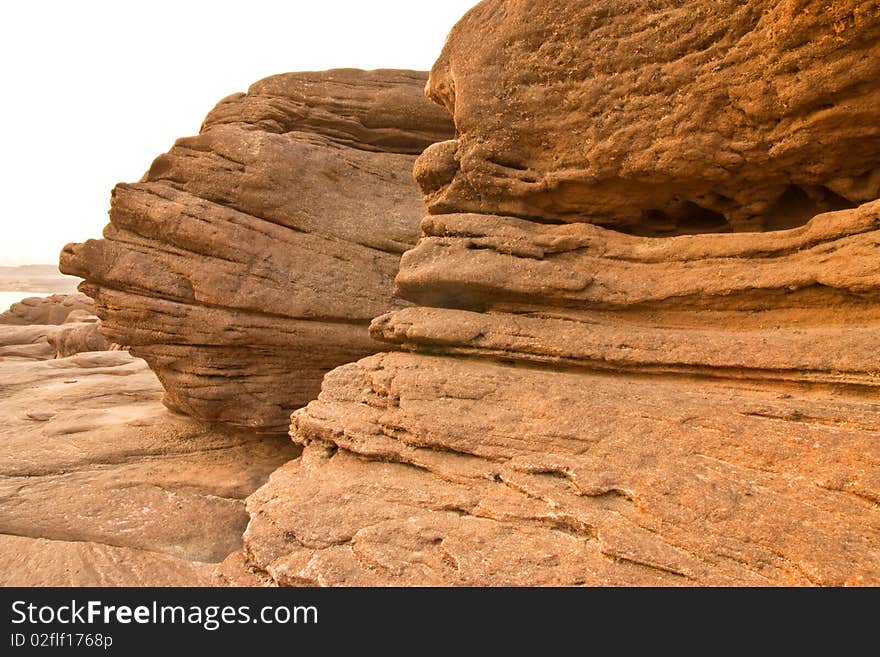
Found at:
(93, 90)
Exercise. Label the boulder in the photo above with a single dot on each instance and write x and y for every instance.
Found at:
(251, 258)
(81, 316)
(27, 341)
(41, 342)
(75, 338)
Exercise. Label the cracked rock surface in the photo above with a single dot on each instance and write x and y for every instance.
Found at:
(448, 471)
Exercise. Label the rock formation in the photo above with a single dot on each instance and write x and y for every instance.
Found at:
(77, 338)
(40, 342)
(101, 486)
(56, 326)
(54, 309)
(251, 258)
(581, 397)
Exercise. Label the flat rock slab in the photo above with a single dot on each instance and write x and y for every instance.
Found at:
(43, 562)
(101, 485)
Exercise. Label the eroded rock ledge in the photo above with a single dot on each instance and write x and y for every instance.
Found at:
(422, 470)
(251, 258)
(599, 441)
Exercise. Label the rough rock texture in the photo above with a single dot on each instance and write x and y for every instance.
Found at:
(252, 257)
(584, 406)
(100, 485)
(445, 471)
(54, 341)
(54, 309)
(72, 339)
(660, 117)
(27, 341)
(800, 304)
(630, 430)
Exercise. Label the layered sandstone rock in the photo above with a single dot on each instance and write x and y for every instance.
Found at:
(77, 338)
(727, 435)
(100, 485)
(55, 326)
(444, 471)
(40, 342)
(582, 406)
(660, 117)
(252, 257)
(53, 309)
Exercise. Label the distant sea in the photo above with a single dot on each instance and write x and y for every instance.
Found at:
(9, 298)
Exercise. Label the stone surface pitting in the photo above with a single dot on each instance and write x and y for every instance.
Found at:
(662, 117)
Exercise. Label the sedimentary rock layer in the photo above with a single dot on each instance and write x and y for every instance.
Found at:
(447, 471)
(41, 342)
(251, 258)
(659, 117)
(586, 407)
(482, 262)
(77, 338)
(54, 309)
(802, 304)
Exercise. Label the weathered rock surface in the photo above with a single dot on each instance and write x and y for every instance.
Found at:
(445, 471)
(659, 117)
(100, 485)
(583, 406)
(54, 341)
(76, 338)
(800, 304)
(737, 442)
(54, 309)
(27, 342)
(252, 257)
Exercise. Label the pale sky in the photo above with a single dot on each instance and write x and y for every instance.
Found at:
(93, 90)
